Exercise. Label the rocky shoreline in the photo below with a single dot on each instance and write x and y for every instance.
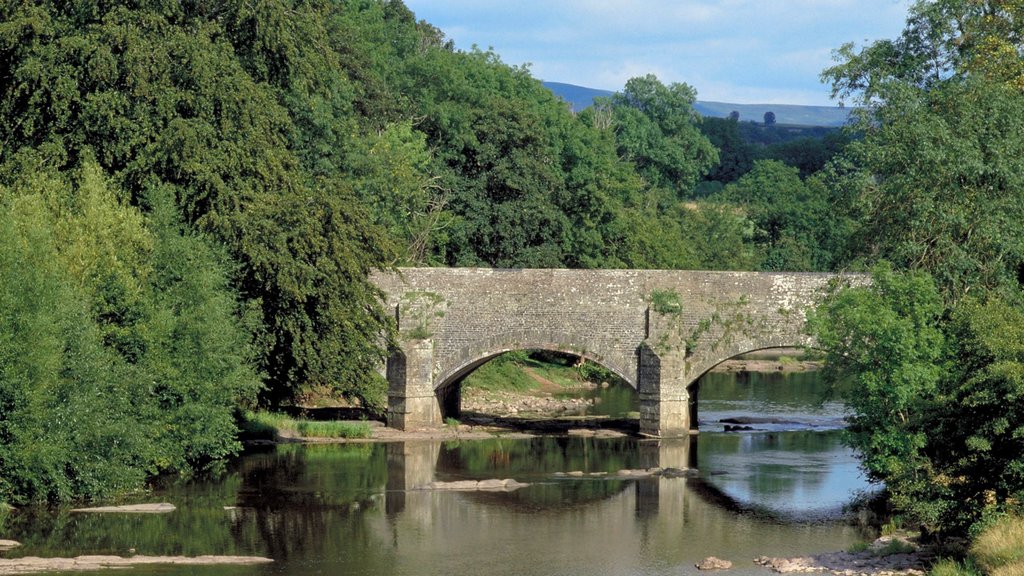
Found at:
(886, 556)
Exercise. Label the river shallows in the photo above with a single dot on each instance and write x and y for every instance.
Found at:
(357, 509)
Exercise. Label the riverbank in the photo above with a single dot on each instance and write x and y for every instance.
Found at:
(93, 563)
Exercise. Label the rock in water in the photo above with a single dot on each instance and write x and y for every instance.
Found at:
(159, 508)
(712, 563)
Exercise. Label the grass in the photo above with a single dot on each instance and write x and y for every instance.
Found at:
(947, 567)
(508, 373)
(269, 426)
(999, 549)
(891, 547)
(666, 302)
(858, 547)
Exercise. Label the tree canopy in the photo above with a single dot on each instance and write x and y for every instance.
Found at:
(936, 190)
(195, 195)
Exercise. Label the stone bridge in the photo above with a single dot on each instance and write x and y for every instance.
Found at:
(659, 330)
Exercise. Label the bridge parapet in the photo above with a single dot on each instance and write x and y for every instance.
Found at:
(658, 329)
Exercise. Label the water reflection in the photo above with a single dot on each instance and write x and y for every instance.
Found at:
(360, 509)
(772, 401)
(800, 475)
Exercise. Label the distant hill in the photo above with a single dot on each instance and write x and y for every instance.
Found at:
(580, 98)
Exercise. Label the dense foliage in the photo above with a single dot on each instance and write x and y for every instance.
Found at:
(194, 196)
(935, 343)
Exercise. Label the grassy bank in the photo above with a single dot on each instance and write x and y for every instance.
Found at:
(997, 551)
(523, 371)
(271, 426)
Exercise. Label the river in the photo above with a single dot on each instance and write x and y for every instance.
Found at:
(356, 508)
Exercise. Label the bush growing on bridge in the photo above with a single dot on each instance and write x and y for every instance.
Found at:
(666, 302)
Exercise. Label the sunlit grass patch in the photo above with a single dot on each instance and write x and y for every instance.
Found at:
(332, 429)
(1013, 569)
(270, 425)
(858, 547)
(999, 549)
(946, 567)
(895, 546)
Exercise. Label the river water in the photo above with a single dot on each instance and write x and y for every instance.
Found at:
(356, 509)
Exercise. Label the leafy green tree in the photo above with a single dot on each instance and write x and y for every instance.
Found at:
(796, 222)
(198, 358)
(145, 359)
(937, 185)
(68, 421)
(735, 155)
(657, 129)
(887, 341)
(947, 193)
(982, 465)
(244, 112)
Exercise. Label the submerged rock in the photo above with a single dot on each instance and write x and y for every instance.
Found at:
(493, 485)
(662, 472)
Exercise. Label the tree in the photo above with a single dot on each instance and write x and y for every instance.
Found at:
(945, 196)
(886, 341)
(769, 118)
(943, 40)
(939, 194)
(246, 115)
(656, 128)
(794, 221)
(735, 155)
(123, 354)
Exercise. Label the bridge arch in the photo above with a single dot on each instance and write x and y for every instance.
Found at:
(471, 357)
(704, 365)
(448, 383)
(694, 386)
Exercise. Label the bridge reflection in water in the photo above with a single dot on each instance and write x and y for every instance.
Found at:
(559, 523)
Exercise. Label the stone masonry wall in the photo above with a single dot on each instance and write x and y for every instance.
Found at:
(471, 314)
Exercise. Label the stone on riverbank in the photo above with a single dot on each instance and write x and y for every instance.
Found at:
(8, 544)
(159, 508)
(33, 565)
(871, 561)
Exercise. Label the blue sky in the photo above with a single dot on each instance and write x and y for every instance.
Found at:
(742, 51)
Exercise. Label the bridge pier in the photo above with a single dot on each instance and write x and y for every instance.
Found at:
(411, 400)
(664, 400)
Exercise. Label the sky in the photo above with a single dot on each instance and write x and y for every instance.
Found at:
(738, 51)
